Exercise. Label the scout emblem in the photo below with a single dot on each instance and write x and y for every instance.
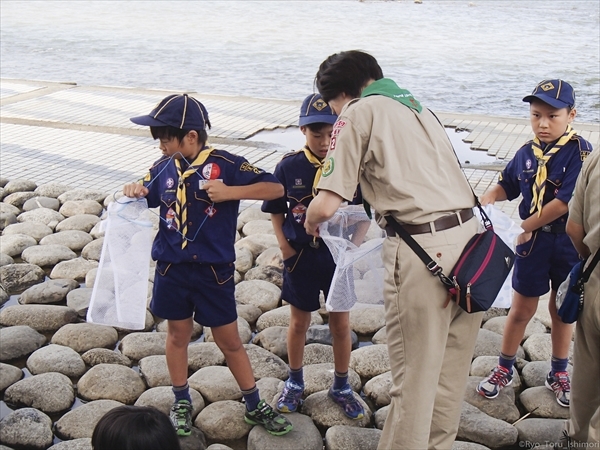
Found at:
(299, 212)
(170, 219)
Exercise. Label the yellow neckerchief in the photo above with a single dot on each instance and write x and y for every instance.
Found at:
(180, 204)
(316, 162)
(539, 185)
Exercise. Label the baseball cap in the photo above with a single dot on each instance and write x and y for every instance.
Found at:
(556, 93)
(177, 110)
(316, 110)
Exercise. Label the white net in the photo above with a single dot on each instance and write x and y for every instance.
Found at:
(355, 242)
(121, 286)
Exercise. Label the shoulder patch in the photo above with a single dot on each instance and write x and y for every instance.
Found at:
(328, 167)
(247, 167)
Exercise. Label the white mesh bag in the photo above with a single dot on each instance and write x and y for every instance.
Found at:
(355, 242)
(121, 286)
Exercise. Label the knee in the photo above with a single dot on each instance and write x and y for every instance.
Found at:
(521, 314)
(298, 327)
(178, 338)
(229, 346)
(339, 329)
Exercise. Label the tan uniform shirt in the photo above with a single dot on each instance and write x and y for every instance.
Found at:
(584, 207)
(402, 159)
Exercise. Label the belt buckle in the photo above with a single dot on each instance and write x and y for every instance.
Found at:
(547, 229)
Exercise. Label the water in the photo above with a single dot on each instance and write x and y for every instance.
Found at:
(478, 56)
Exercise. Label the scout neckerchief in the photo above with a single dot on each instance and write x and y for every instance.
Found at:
(316, 162)
(180, 204)
(539, 185)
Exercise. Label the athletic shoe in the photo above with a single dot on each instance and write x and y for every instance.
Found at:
(498, 378)
(561, 386)
(291, 397)
(344, 397)
(273, 422)
(181, 417)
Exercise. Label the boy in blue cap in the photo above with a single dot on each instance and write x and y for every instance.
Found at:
(308, 264)
(544, 172)
(198, 190)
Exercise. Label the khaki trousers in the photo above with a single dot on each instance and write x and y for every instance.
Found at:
(430, 347)
(584, 424)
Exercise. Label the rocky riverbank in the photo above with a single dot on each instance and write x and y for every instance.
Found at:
(59, 374)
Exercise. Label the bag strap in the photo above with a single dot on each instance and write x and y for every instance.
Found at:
(589, 269)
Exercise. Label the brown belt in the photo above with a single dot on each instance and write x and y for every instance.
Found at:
(443, 223)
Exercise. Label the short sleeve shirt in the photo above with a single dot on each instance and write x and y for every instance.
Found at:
(584, 207)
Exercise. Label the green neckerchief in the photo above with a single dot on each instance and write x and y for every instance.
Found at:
(390, 89)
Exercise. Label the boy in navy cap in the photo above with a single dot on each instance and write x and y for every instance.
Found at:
(308, 264)
(198, 190)
(544, 172)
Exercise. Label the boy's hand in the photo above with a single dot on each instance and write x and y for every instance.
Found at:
(524, 237)
(217, 191)
(487, 199)
(312, 228)
(135, 190)
(287, 252)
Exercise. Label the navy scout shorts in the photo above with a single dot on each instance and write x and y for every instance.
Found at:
(306, 274)
(547, 258)
(205, 291)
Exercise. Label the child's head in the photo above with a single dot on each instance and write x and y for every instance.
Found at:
(179, 122)
(552, 109)
(316, 123)
(134, 428)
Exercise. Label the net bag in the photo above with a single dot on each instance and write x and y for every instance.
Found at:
(121, 287)
(355, 242)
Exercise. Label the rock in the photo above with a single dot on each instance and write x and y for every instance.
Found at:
(139, 345)
(26, 427)
(47, 255)
(243, 329)
(478, 427)
(41, 202)
(19, 185)
(258, 293)
(270, 257)
(281, 317)
(378, 389)
(5, 260)
(112, 382)
(243, 259)
(93, 250)
(541, 401)
(321, 334)
(18, 277)
(502, 407)
(49, 392)
(317, 354)
(341, 437)
(211, 420)
(538, 347)
(36, 230)
(266, 273)
(497, 324)
(51, 291)
(265, 363)
(96, 356)
(56, 358)
(154, 370)
(6, 220)
(534, 373)
(81, 421)
(380, 337)
(304, 436)
(82, 337)
(215, 383)
(462, 445)
(18, 199)
(258, 227)
(257, 243)
(319, 377)
(273, 339)
(75, 269)
(204, 354)
(82, 222)
(79, 300)
(249, 312)
(380, 417)
(82, 194)
(74, 239)
(52, 189)
(367, 320)
(162, 398)
(14, 244)
(4, 296)
(72, 208)
(325, 413)
(19, 341)
(542, 314)
(97, 232)
(74, 444)
(7, 208)
(9, 375)
(539, 432)
(269, 388)
(370, 361)
(90, 278)
(218, 447)
(489, 344)
(250, 214)
(46, 216)
(39, 317)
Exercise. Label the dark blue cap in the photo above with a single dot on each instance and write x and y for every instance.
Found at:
(557, 93)
(316, 110)
(177, 110)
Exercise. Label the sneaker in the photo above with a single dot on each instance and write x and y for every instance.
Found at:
(273, 422)
(499, 378)
(561, 386)
(344, 397)
(181, 417)
(291, 397)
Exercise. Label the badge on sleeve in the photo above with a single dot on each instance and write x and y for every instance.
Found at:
(328, 167)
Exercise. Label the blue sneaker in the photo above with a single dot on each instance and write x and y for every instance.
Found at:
(345, 398)
(291, 397)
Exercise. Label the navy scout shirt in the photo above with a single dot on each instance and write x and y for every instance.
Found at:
(214, 223)
(563, 168)
(297, 174)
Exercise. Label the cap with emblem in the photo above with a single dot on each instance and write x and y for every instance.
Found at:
(556, 93)
(315, 110)
(177, 110)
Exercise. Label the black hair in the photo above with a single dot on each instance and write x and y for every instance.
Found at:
(135, 428)
(168, 132)
(316, 127)
(346, 73)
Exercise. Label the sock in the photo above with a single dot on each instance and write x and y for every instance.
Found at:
(182, 393)
(507, 361)
(558, 365)
(252, 398)
(297, 376)
(340, 379)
